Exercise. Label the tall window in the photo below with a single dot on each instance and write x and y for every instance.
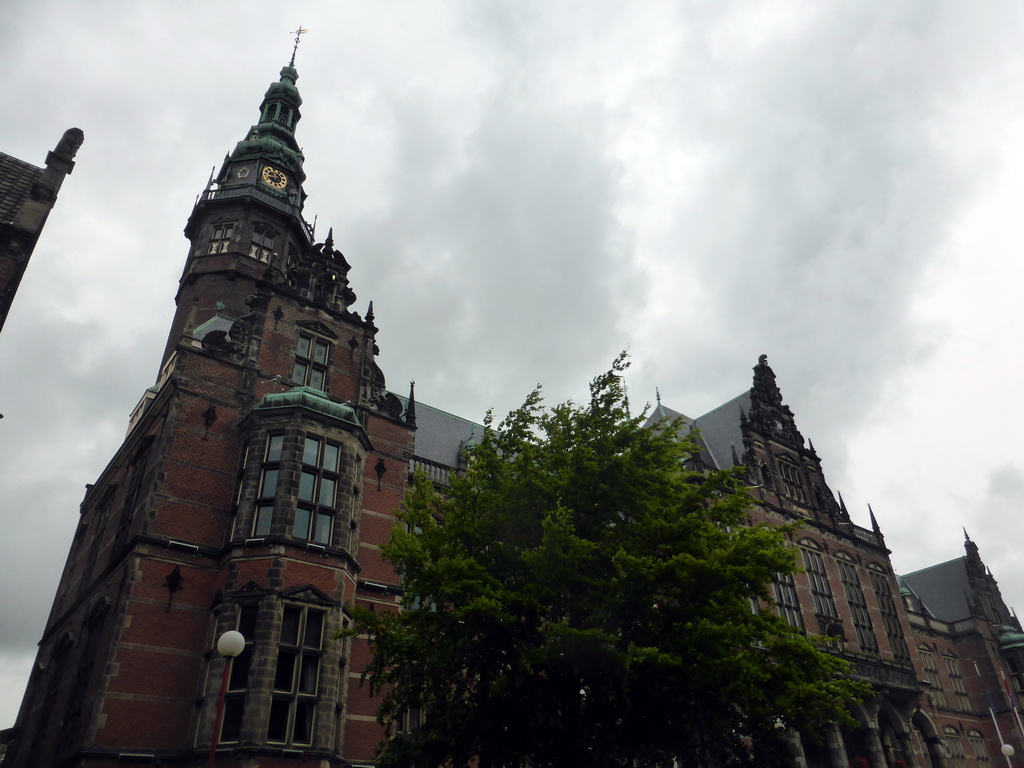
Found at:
(787, 601)
(821, 590)
(977, 740)
(262, 245)
(238, 682)
(858, 606)
(890, 616)
(791, 484)
(954, 746)
(311, 358)
(318, 491)
(993, 609)
(931, 674)
(131, 500)
(89, 650)
(268, 487)
(220, 240)
(963, 701)
(296, 676)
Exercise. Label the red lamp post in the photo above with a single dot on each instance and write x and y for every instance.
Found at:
(229, 645)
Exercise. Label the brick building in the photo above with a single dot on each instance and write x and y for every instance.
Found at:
(27, 195)
(939, 645)
(258, 479)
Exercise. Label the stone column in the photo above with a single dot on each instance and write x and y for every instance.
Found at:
(796, 747)
(836, 747)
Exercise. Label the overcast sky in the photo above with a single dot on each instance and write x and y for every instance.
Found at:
(526, 187)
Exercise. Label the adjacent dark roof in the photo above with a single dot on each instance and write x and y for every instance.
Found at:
(943, 589)
(16, 180)
(440, 435)
(719, 429)
(662, 412)
(720, 432)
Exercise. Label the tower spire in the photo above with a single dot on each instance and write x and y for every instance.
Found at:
(298, 32)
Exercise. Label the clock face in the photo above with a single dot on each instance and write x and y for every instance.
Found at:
(274, 178)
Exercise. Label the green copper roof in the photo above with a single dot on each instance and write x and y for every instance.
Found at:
(273, 137)
(285, 89)
(312, 400)
(1010, 638)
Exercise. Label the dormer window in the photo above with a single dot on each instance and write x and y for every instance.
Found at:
(262, 245)
(311, 357)
(220, 239)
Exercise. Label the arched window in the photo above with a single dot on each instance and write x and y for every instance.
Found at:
(977, 740)
(890, 615)
(954, 747)
(931, 674)
(786, 600)
(817, 575)
(963, 701)
(858, 603)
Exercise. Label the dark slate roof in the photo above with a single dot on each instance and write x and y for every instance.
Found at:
(16, 179)
(440, 435)
(943, 589)
(661, 412)
(720, 431)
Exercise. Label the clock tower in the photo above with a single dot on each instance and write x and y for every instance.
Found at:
(257, 481)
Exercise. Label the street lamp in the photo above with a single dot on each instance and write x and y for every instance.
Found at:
(229, 645)
(1007, 751)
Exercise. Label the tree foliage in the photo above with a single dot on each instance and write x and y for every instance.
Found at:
(579, 598)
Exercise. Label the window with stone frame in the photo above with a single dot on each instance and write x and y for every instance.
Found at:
(89, 648)
(792, 485)
(270, 472)
(410, 720)
(99, 524)
(238, 681)
(262, 245)
(221, 236)
(296, 676)
(1017, 678)
(858, 605)
(56, 671)
(890, 616)
(312, 357)
(136, 474)
(956, 680)
(317, 504)
(995, 615)
(981, 756)
(786, 600)
(954, 747)
(817, 575)
(931, 674)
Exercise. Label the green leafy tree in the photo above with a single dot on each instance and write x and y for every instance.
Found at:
(579, 598)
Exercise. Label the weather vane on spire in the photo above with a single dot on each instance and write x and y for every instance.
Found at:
(298, 32)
